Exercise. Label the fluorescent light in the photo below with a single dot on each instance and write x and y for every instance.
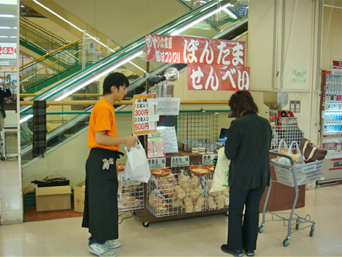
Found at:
(14, 27)
(5, 27)
(98, 76)
(7, 16)
(13, 36)
(26, 118)
(230, 13)
(3, 36)
(13, 2)
(200, 19)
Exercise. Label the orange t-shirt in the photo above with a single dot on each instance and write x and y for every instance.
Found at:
(102, 118)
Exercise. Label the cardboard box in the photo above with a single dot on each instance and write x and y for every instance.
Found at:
(79, 192)
(53, 198)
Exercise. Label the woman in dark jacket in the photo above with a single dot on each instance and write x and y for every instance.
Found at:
(247, 146)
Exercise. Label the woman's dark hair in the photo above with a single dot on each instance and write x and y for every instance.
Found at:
(114, 79)
(242, 101)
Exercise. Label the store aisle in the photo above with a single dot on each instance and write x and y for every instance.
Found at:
(192, 237)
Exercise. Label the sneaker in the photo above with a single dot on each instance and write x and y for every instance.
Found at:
(101, 250)
(113, 244)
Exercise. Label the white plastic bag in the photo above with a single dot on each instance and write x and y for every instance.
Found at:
(220, 179)
(297, 157)
(137, 166)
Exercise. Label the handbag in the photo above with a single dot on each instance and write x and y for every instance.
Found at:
(137, 166)
(311, 152)
(221, 172)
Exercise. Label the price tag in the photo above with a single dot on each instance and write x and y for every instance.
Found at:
(157, 163)
(208, 159)
(180, 161)
(127, 181)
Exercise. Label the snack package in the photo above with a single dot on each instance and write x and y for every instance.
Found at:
(189, 205)
(194, 182)
(220, 201)
(180, 192)
(196, 193)
(211, 203)
(186, 184)
(199, 203)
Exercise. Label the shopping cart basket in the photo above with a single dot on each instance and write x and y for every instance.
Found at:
(292, 175)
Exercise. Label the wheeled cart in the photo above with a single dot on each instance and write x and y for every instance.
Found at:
(293, 175)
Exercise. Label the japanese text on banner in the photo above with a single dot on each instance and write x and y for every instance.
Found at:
(180, 49)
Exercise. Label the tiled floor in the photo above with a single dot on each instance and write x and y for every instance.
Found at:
(191, 237)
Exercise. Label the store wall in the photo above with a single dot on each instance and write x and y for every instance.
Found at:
(280, 46)
(332, 33)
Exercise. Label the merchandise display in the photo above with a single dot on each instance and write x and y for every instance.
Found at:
(183, 192)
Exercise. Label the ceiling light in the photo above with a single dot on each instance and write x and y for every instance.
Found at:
(5, 27)
(7, 15)
(13, 36)
(3, 36)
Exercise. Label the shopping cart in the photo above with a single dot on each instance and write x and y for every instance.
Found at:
(292, 175)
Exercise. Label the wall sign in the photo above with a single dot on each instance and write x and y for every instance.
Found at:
(8, 51)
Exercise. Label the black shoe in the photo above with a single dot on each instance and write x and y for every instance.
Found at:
(249, 252)
(226, 249)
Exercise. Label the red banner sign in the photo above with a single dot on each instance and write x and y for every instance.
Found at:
(218, 77)
(8, 51)
(174, 49)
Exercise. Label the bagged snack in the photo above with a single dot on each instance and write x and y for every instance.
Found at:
(186, 184)
(211, 203)
(194, 182)
(226, 201)
(220, 201)
(180, 177)
(180, 192)
(176, 202)
(189, 205)
(199, 203)
(196, 193)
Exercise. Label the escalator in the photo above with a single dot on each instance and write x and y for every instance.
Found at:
(211, 27)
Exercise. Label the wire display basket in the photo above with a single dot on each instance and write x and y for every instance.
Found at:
(289, 133)
(182, 192)
(198, 130)
(130, 194)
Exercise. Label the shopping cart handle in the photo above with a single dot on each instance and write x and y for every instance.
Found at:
(283, 155)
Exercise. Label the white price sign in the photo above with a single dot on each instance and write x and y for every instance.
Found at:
(208, 159)
(180, 161)
(157, 163)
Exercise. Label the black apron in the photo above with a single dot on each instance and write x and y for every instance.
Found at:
(100, 202)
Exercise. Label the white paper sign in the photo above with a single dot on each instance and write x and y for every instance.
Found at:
(170, 139)
(168, 106)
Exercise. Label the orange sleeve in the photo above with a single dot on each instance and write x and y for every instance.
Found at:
(103, 120)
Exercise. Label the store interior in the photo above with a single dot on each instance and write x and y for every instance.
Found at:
(64, 53)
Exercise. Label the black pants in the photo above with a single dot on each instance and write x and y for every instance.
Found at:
(100, 203)
(243, 234)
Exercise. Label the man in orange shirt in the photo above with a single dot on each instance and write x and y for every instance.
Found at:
(100, 205)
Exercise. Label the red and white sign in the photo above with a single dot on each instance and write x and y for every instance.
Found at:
(174, 49)
(213, 64)
(218, 77)
(8, 51)
(142, 113)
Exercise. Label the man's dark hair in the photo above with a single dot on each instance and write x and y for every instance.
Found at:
(242, 101)
(114, 79)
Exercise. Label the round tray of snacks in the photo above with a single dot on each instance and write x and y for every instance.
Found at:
(121, 166)
(160, 172)
(199, 170)
(210, 167)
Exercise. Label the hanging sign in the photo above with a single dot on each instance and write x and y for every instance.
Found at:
(144, 115)
(178, 49)
(8, 51)
(217, 77)
(213, 64)
(91, 47)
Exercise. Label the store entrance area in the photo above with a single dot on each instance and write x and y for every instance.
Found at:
(201, 236)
